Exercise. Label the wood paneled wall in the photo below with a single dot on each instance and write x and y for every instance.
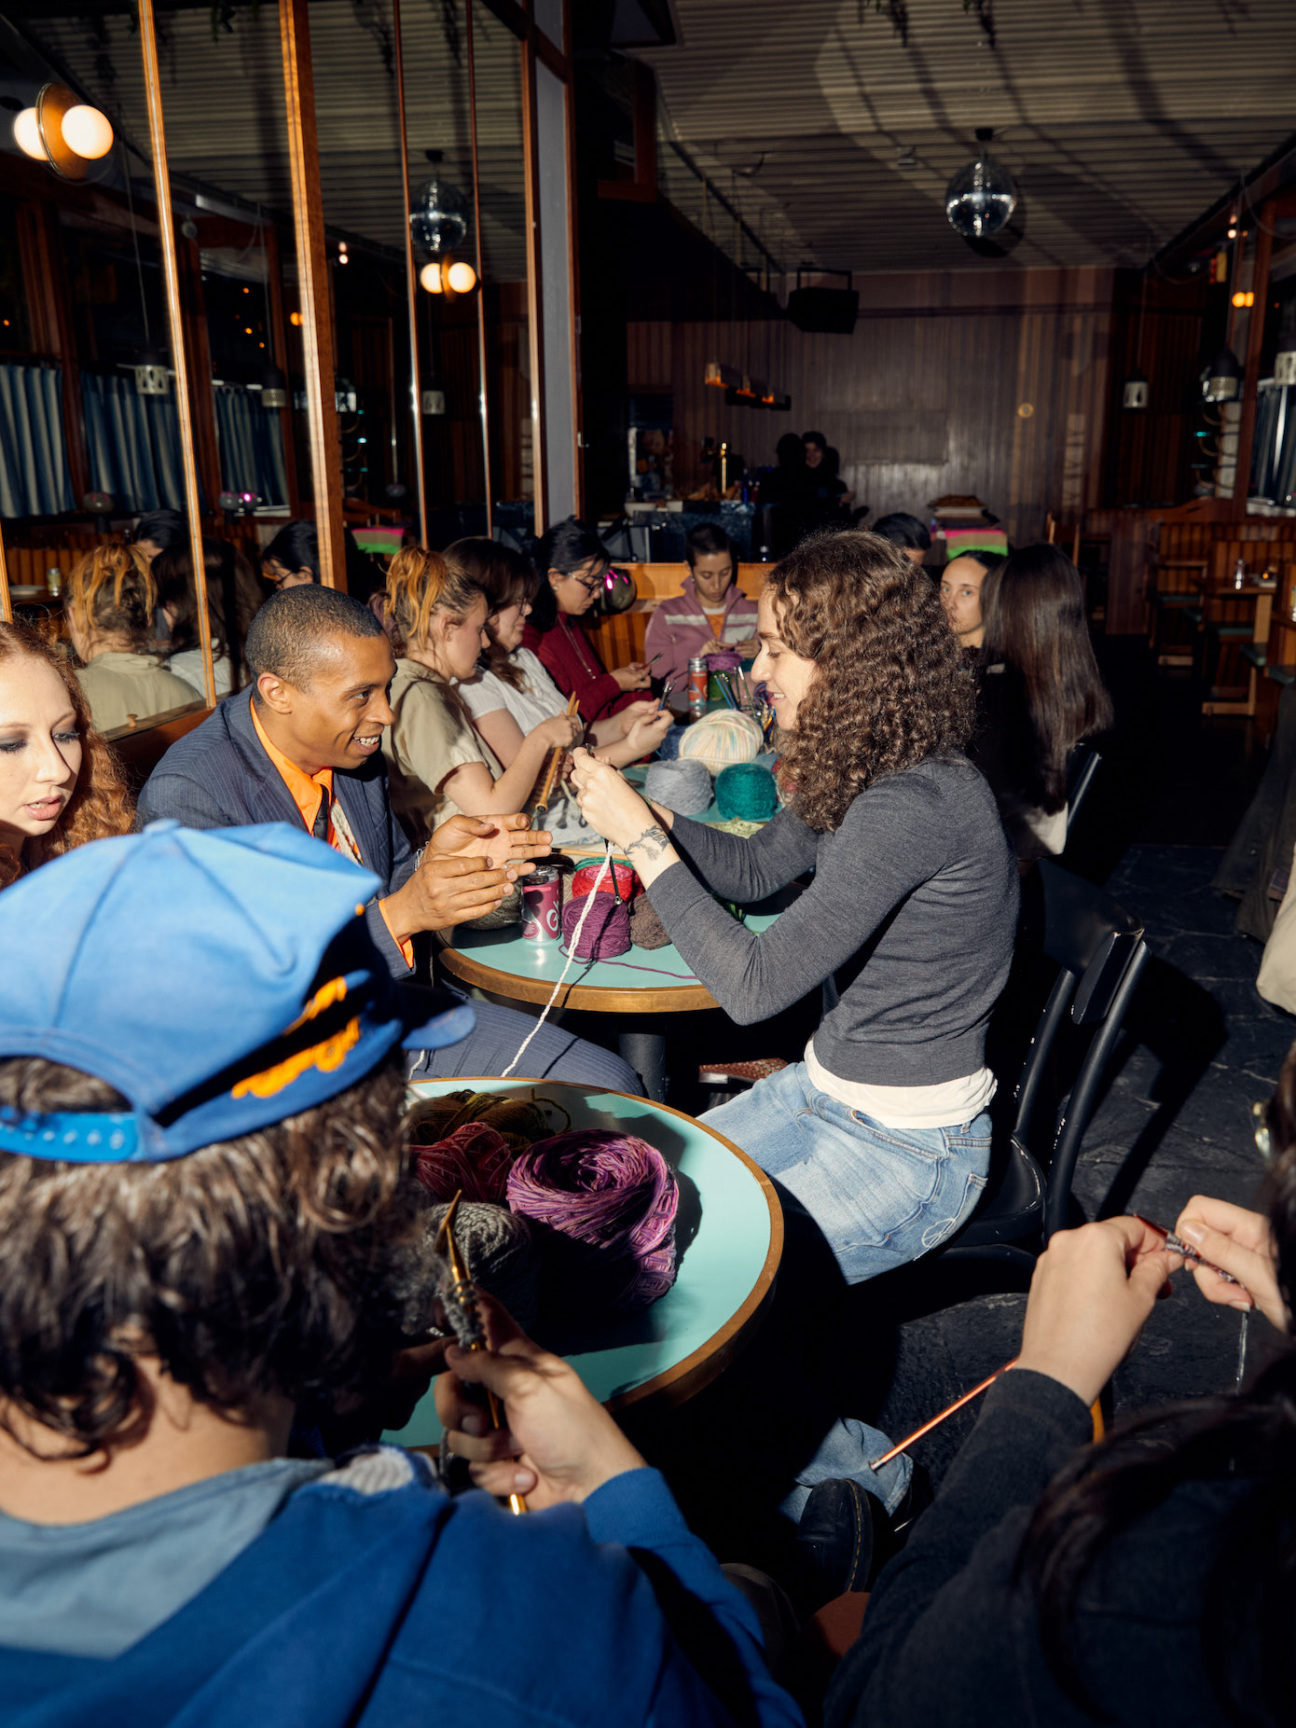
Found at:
(952, 382)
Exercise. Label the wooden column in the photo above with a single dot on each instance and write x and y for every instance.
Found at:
(6, 603)
(175, 320)
(411, 290)
(481, 280)
(535, 308)
(313, 272)
(279, 337)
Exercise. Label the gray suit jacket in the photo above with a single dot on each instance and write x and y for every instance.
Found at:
(219, 776)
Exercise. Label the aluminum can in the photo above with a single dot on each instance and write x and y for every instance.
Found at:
(542, 904)
(697, 685)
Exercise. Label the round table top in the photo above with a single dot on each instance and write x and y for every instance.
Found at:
(729, 1232)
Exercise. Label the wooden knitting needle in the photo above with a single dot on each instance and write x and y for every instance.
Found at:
(905, 1444)
(551, 772)
(464, 1292)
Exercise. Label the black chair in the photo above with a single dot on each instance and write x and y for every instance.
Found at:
(1082, 765)
(1101, 953)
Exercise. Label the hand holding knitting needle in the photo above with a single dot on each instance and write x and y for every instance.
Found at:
(1240, 1242)
(615, 810)
(558, 1442)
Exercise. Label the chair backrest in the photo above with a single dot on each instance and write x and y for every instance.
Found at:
(139, 749)
(1082, 765)
(1100, 951)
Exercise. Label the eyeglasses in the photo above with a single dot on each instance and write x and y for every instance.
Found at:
(591, 584)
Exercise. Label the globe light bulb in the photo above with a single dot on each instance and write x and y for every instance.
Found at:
(27, 135)
(462, 278)
(430, 277)
(87, 131)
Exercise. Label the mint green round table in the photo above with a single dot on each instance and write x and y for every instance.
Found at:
(729, 1232)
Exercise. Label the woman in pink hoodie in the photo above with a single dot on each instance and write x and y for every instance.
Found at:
(712, 612)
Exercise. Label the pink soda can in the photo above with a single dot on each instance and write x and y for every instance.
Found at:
(542, 905)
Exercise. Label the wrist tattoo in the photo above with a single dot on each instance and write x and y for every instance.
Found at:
(652, 842)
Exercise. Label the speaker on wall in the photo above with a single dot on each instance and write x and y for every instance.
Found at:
(827, 311)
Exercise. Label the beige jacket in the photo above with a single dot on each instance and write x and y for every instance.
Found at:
(430, 737)
(118, 685)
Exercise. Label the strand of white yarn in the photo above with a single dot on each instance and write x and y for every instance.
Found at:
(604, 867)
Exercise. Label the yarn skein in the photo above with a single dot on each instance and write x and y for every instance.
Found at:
(606, 1204)
(684, 787)
(646, 927)
(473, 1160)
(606, 931)
(500, 1253)
(518, 1121)
(721, 738)
(747, 791)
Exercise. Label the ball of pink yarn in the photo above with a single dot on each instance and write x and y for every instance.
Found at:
(609, 1201)
(474, 1158)
(606, 932)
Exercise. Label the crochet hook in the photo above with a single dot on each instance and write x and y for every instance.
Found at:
(464, 1292)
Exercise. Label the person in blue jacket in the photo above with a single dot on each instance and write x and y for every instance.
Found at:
(204, 1209)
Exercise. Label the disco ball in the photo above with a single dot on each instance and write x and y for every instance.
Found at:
(438, 221)
(980, 198)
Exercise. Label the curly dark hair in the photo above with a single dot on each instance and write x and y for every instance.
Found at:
(262, 1264)
(889, 687)
(100, 805)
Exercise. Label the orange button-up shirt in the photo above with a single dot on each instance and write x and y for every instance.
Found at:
(307, 790)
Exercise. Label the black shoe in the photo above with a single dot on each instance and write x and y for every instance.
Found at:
(838, 1535)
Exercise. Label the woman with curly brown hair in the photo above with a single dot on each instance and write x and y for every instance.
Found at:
(881, 1133)
(59, 783)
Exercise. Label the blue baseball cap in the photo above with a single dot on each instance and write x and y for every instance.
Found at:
(220, 980)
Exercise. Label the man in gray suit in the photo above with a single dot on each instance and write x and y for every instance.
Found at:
(302, 746)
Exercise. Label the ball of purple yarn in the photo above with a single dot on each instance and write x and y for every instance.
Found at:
(607, 929)
(613, 1198)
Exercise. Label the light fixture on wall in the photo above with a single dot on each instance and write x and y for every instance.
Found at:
(1285, 358)
(152, 373)
(722, 377)
(982, 196)
(1222, 379)
(64, 132)
(1135, 394)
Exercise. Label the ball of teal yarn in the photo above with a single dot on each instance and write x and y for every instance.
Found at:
(746, 790)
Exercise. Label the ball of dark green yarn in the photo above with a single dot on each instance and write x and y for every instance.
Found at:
(746, 790)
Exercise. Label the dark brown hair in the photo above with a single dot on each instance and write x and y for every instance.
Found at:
(100, 805)
(233, 597)
(889, 687)
(506, 578)
(1033, 609)
(1249, 1608)
(255, 1266)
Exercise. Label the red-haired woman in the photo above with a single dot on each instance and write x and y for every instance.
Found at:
(59, 783)
(111, 601)
(882, 1132)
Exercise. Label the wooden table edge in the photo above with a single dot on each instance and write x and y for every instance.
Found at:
(600, 998)
(698, 1369)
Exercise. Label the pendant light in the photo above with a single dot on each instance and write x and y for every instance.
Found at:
(982, 196)
(63, 132)
(1222, 379)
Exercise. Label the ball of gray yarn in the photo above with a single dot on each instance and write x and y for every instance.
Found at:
(499, 1252)
(684, 787)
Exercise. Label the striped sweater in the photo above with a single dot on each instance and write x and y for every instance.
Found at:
(678, 630)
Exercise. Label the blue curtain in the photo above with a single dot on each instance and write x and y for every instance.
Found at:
(133, 442)
(251, 444)
(33, 456)
(1273, 462)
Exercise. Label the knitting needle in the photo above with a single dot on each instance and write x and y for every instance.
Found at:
(877, 1463)
(551, 773)
(464, 1292)
(1176, 1245)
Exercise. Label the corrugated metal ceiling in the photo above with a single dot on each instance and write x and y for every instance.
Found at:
(1121, 120)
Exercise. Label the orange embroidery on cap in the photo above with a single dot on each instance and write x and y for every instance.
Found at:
(324, 997)
(326, 1057)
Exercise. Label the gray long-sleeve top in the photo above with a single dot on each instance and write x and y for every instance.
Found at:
(912, 911)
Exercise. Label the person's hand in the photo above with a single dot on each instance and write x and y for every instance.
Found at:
(444, 892)
(559, 733)
(499, 840)
(607, 800)
(648, 731)
(1092, 1292)
(1242, 1243)
(635, 676)
(749, 650)
(558, 1442)
(634, 711)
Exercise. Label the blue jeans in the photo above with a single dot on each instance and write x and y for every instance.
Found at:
(880, 1197)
